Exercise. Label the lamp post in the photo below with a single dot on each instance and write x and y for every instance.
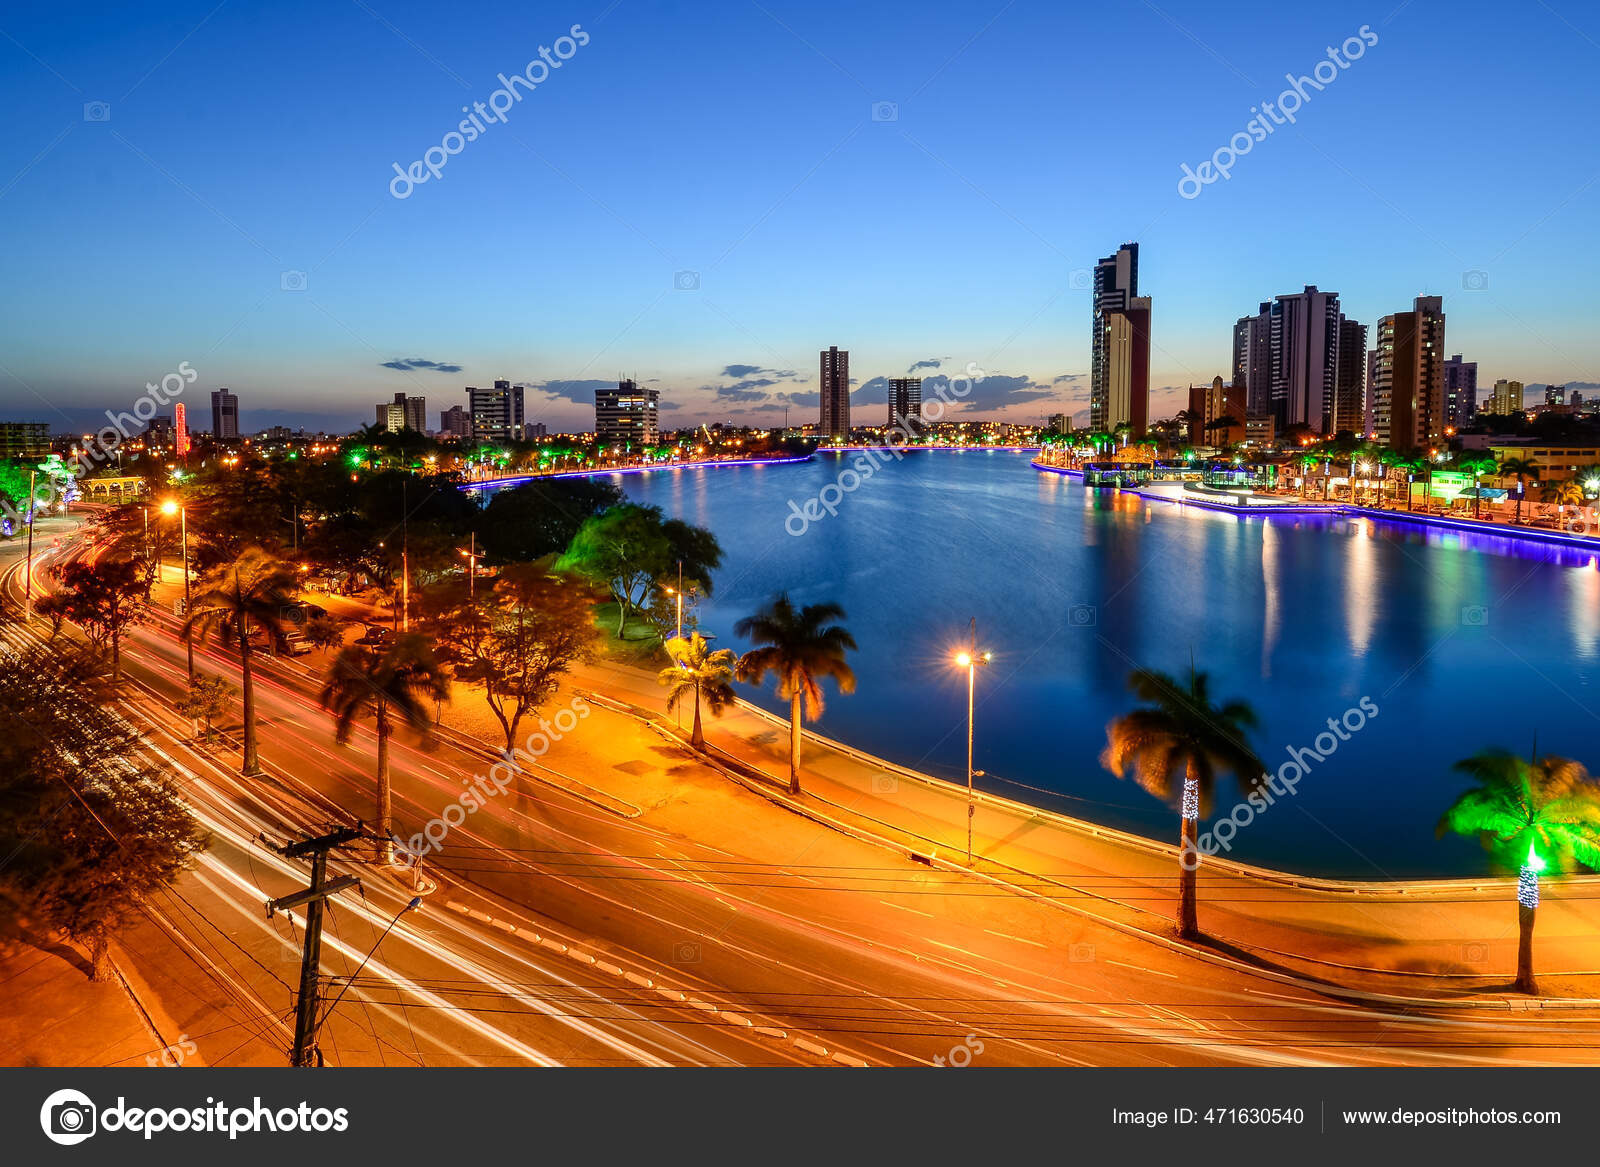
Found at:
(471, 555)
(970, 660)
(27, 574)
(168, 508)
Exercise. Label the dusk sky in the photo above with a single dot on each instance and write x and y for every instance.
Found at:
(240, 145)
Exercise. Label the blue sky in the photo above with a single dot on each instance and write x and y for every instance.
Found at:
(738, 142)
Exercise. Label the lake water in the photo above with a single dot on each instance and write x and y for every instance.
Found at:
(1461, 642)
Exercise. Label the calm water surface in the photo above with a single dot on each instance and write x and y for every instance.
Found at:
(1461, 642)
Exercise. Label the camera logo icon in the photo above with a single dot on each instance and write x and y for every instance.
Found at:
(1475, 953)
(885, 784)
(885, 111)
(686, 281)
(1082, 616)
(97, 111)
(1475, 616)
(292, 281)
(68, 1117)
(1079, 279)
(1475, 281)
(686, 952)
(1081, 954)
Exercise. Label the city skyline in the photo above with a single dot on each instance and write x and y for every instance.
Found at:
(279, 309)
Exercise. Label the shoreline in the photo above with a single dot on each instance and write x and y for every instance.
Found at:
(710, 464)
(1351, 510)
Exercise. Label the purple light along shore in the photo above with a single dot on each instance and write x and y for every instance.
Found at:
(520, 479)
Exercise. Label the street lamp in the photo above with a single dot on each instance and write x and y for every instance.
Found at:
(970, 660)
(169, 508)
(471, 555)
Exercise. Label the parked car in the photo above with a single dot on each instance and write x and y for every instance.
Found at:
(376, 636)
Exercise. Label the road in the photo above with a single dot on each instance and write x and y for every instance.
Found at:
(753, 936)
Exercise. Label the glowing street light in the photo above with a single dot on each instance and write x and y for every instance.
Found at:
(970, 660)
(169, 508)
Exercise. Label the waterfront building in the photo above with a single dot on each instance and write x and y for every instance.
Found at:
(496, 412)
(835, 391)
(1348, 408)
(905, 402)
(1304, 358)
(224, 416)
(627, 416)
(1408, 390)
(1212, 403)
(1119, 372)
(1460, 391)
(455, 422)
(1252, 360)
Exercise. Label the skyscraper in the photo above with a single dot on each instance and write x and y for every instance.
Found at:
(1507, 397)
(1252, 361)
(404, 413)
(1304, 358)
(835, 387)
(627, 415)
(905, 401)
(1212, 403)
(1347, 411)
(455, 422)
(180, 429)
(496, 412)
(1460, 391)
(1408, 393)
(224, 415)
(1119, 345)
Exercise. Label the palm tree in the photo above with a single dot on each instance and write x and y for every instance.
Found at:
(388, 683)
(238, 599)
(698, 670)
(1183, 731)
(1551, 803)
(801, 648)
(1523, 469)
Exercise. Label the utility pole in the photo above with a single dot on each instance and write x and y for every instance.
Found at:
(305, 1052)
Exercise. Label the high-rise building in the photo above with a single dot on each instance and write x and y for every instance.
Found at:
(1252, 360)
(1408, 386)
(1213, 403)
(835, 386)
(1555, 394)
(1348, 409)
(1119, 345)
(1372, 379)
(1059, 422)
(1506, 397)
(224, 415)
(1460, 391)
(180, 429)
(455, 422)
(1127, 380)
(24, 439)
(627, 416)
(496, 413)
(404, 413)
(1304, 358)
(905, 401)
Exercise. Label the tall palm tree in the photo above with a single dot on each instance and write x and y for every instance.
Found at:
(698, 670)
(1523, 469)
(388, 684)
(1532, 814)
(1180, 730)
(801, 648)
(237, 599)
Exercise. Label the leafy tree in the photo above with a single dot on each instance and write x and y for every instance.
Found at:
(87, 829)
(698, 671)
(324, 632)
(518, 639)
(1522, 469)
(1181, 731)
(662, 610)
(800, 648)
(387, 684)
(208, 698)
(524, 523)
(237, 599)
(629, 547)
(103, 597)
(1529, 815)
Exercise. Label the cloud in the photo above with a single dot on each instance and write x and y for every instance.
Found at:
(406, 364)
(581, 392)
(993, 392)
(743, 371)
(930, 363)
(1069, 377)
